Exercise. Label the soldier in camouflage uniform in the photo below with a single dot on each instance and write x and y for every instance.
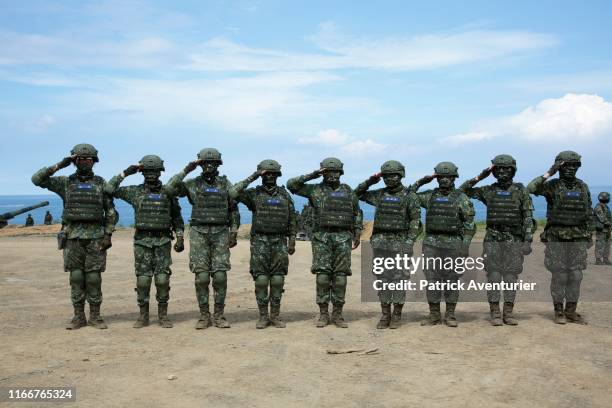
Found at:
(213, 231)
(307, 219)
(157, 215)
(449, 228)
(337, 229)
(567, 234)
(397, 224)
(509, 231)
(29, 222)
(273, 234)
(48, 218)
(603, 221)
(89, 220)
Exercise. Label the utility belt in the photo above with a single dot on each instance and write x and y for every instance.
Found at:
(153, 234)
(506, 228)
(334, 229)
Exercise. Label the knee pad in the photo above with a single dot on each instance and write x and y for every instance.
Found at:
(77, 277)
(202, 279)
(93, 278)
(277, 281)
(162, 279)
(323, 279)
(143, 282)
(219, 278)
(340, 281)
(261, 282)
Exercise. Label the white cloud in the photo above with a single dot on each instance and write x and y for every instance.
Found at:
(326, 137)
(570, 118)
(344, 144)
(363, 147)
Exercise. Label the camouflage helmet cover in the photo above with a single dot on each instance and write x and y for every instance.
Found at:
(152, 162)
(393, 167)
(210, 154)
(446, 169)
(504, 160)
(85, 150)
(568, 156)
(332, 163)
(604, 197)
(269, 165)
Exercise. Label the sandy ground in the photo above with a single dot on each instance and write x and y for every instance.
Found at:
(537, 363)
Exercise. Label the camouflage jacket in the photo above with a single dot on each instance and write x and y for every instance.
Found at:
(247, 197)
(82, 230)
(484, 195)
(603, 219)
(466, 209)
(539, 186)
(177, 187)
(413, 210)
(315, 194)
(133, 195)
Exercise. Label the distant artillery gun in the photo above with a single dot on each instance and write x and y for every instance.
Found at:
(12, 214)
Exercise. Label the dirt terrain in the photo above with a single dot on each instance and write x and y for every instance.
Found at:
(536, 364)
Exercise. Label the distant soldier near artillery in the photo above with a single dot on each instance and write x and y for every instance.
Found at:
(567, 234)
(48, 218)
(449, 228)
(29, 222)
(603, 224)
(273, 233)
(157, 216)
(337, 230)
(397, 224)
(213, 231)
(89, 220)
(509, 231)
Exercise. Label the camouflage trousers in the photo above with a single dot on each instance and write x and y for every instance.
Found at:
(435, 272)
(602, 244)
(268, 267)
(388, 245)
(565, 260)
(209, 255)
(152, 262)
(503, 261)
(85, 261)
(331, 263)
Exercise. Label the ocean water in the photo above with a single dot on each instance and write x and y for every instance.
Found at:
(126, 213)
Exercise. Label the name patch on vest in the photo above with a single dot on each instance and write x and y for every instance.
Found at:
(503, 193)
(573, 194)
(84, 186)
(337, 194)
(273, 201)
(211, 189)
(442, 199)
(394, 199)
(155, 197)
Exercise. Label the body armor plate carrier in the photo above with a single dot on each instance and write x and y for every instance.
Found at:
(211, 206)
(337, 210)
(271, 214)
(443, 215)
(391, 214)
(84, 201)
(504, 208)
(153, 213)
(569, 207)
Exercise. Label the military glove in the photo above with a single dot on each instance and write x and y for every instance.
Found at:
(106, 242)
(485, 173)
(526, 248)
(410, 250)
(424, 180)
(554, 168)
(233, 239)
(133, 169)
(65, 162)
(589, 243)
(356, 240)
(291, 246)
(179, 245)
(254, 176)
(374, 178)
(315, 174)
(191, 166)
(465, 249)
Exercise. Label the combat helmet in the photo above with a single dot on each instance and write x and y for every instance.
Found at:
(393, 167)
(210, 154)
(504, 160)
(85, 150)
(569, 156)
(269, 165)
(446, 169)
(331, 163)
(152, 162)
(604, 197)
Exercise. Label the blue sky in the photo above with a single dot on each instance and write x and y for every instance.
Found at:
(300, 81)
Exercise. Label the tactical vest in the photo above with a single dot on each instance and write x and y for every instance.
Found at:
(568, 207)
(504, 208)
(211, 205)
(153, 213)
(391, 214)
(337, 210)
(443, 216)
(271, 214)
(598, 224)
(84, 201)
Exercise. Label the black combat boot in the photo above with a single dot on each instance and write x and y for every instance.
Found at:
(79, 320)
(323, 315)
(449, 316)
(95, 319)
(143, 317)
(435, 317)
(219, 318)
(275, 316)
(599, 261)
(396, 317)
(162, 316)
(559, 314)
(263, 321)
(571, 315)
(385, 319)
(495, 314)
(508, 316)
(204, 321)
(337, 318)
